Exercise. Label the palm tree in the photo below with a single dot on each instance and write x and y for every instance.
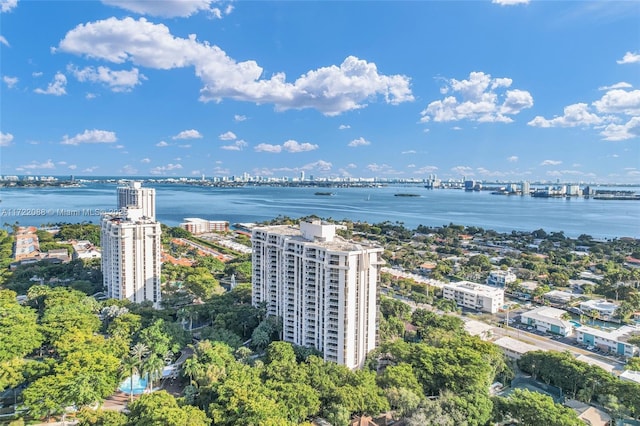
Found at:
(135, 362)
(138, 352)
(153, 367)
(130, 365)
(191, 367)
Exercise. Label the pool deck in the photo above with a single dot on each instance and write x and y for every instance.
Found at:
(118, 401)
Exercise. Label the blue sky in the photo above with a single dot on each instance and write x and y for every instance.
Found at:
(502, 90)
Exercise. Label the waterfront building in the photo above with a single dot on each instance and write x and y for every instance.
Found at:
(475, 296)
(525, 187)
(131, 250)
(500, 278)
(599, 308)
(202, 226)
(559, 298)
(614, 341)
(548, 319)
(322, 286)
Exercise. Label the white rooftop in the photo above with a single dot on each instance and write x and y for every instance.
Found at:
(476, 328)
(592, 361)
(600, 304)
(516, 346)
(481, 289)
(631, 375)
(549, 315)
(619, 334)
(561, 295)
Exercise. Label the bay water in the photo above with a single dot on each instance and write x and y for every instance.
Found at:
(174, 202)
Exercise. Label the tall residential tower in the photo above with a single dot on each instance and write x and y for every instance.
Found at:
(322, 286)
(131, 247)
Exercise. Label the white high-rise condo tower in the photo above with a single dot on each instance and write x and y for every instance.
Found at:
(134, 196)
(322, 286)
(131, 247)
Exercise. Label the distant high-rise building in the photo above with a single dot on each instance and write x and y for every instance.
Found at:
(322, 286)
(525, 188)
(134, 196)
(131, 247)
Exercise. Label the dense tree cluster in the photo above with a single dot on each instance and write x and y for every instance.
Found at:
(581, 380)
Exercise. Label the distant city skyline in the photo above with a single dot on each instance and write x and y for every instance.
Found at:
(498, 90)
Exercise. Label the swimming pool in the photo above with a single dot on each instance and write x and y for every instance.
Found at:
(139, 385)
(576, 324)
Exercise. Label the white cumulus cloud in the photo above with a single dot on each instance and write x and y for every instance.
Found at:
(228, 136)
(288, 146)
(344, 127)
(188, 134)
(47, 165)
(5, 139)
(128, 169)
(551, 163)
(620, 132)
(8, 5)
(621, 85)
(481, 98)
(629, 58)
(619, 101)
(160, 170)
(574, 115)
(10, 81)
(606, 114)
(162, 144)
(56, 88)
(358, 142)
(145, 160)
(512, 159)
(320, 165)
(426, 170)
(462, 170)
(170, 8)
(90, 136)
(509, 2)
(237, 145)
(294, 146)
(239, 117)
(331, 90)
(265, 147)
(117, 81)
(4, 41)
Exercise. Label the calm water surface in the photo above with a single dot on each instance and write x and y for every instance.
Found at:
(575, 216)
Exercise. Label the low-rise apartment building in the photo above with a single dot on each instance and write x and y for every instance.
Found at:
(548, 319)
(614, 341)
(475, 296)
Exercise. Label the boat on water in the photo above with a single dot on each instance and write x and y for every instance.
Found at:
(406, 195)
(325, 193)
